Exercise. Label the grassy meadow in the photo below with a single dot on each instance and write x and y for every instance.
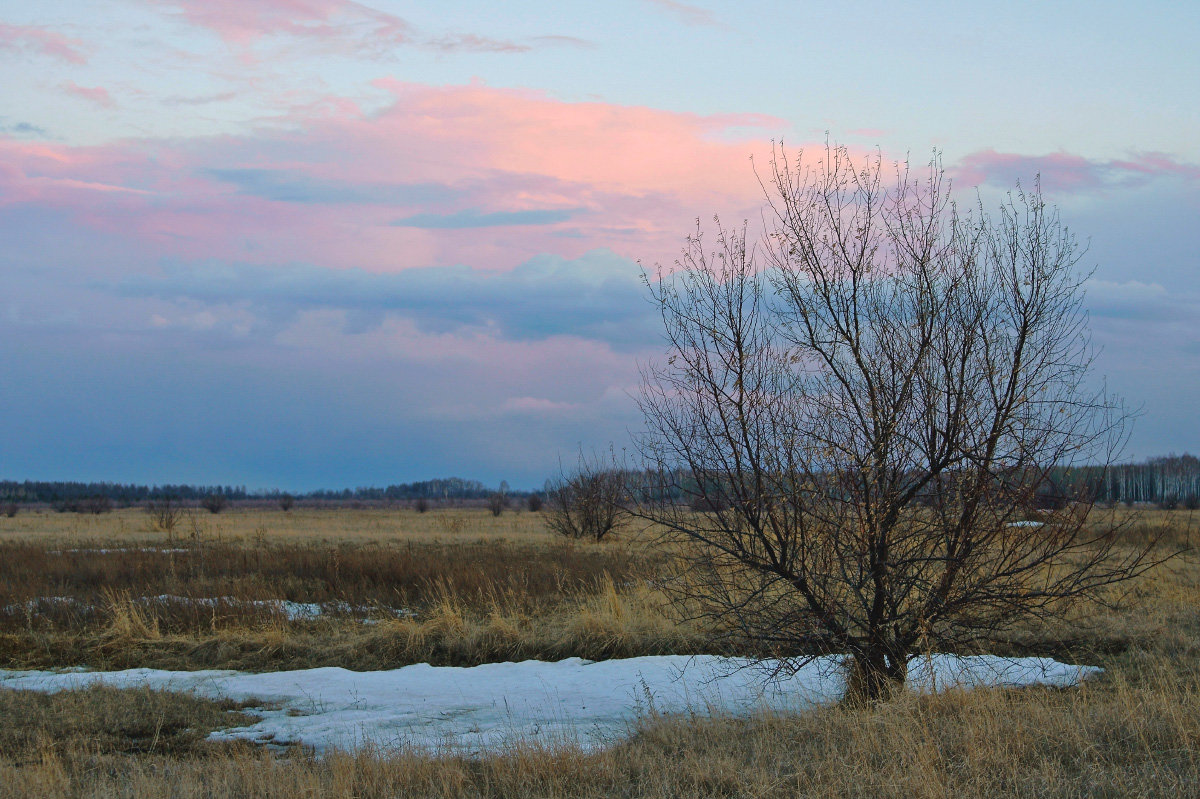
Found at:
(381, 588)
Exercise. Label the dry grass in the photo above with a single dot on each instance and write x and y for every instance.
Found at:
(1135, 732)
(1122, 737)
(135, 527)
(512, 591)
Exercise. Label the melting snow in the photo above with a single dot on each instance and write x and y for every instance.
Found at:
(293, 611)
(574, 700)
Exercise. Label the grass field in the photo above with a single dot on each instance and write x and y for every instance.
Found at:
(383, 588)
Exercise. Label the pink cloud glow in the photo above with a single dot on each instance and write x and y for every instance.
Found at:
(1067, 172)
(244, 21)
(341, 24)
(93, 94)
(692, 15)
(555, 177)
(41, 40)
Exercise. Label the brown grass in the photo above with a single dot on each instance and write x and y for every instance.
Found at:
(512, 592)
(1121, 737)
(135, 527)
(1135, 732)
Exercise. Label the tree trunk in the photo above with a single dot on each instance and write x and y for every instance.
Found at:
(874, 676)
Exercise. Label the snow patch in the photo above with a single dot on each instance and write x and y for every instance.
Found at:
(471, 710)
(293, 611)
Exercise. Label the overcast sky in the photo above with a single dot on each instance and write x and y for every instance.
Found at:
(326, 243)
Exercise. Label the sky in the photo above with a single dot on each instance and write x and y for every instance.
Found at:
(323, 243)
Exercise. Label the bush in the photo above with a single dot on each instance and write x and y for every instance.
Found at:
(95, 505)
(10, 510)
(165, 513)
(214, 503)
(497, 502)
(421, 505)
(286, 501)
(586, 503)
(535, 502)
(1191, 502)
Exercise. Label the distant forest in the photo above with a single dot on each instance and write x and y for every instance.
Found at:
(64, 494)
(1168, 481)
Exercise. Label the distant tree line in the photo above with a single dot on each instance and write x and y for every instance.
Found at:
(67, 495)
(57, 492)
(1169, 481)
(440, 488)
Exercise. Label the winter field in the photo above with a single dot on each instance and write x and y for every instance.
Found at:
(390, 653)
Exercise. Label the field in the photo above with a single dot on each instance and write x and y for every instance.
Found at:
(266, 590)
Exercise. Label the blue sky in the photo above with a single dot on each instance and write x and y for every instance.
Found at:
(302, 243)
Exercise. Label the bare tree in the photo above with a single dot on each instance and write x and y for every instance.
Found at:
(165, 512)
(214, 502)
(857, 418)
(587, 503)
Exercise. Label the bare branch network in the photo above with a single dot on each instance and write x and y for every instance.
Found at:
(864, 410)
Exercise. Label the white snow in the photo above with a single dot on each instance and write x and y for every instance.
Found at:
(1026, 523)
(572, 701)
(293, 611)
(173, 550)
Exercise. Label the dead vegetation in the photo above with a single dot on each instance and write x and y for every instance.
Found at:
(526, 593)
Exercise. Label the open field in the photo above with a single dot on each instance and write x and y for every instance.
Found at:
(268, 590)
(378, 589)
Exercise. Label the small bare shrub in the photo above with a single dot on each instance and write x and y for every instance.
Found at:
(497, 502)
(535, 502)
(214, 503)
(286, 501)
(10, 510)
(585, 503)
(165, 513)
(95, 505)
(421, 505)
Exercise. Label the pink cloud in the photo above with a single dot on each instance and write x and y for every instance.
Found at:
(1067, 172)
(244, 21)
(690, 14)
(442, 175)
(344, 24)
(41, 40)
(93, 94)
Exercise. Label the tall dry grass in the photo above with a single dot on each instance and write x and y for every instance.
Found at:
(1125, 736)
(1134, 732)
(203, 601)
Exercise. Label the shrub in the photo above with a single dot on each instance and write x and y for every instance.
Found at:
(497, 502)
(96, 504)
(214, 503)
(286, 501)
(535, 502)
(165, 512)
(421, 505)
(586, 503)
